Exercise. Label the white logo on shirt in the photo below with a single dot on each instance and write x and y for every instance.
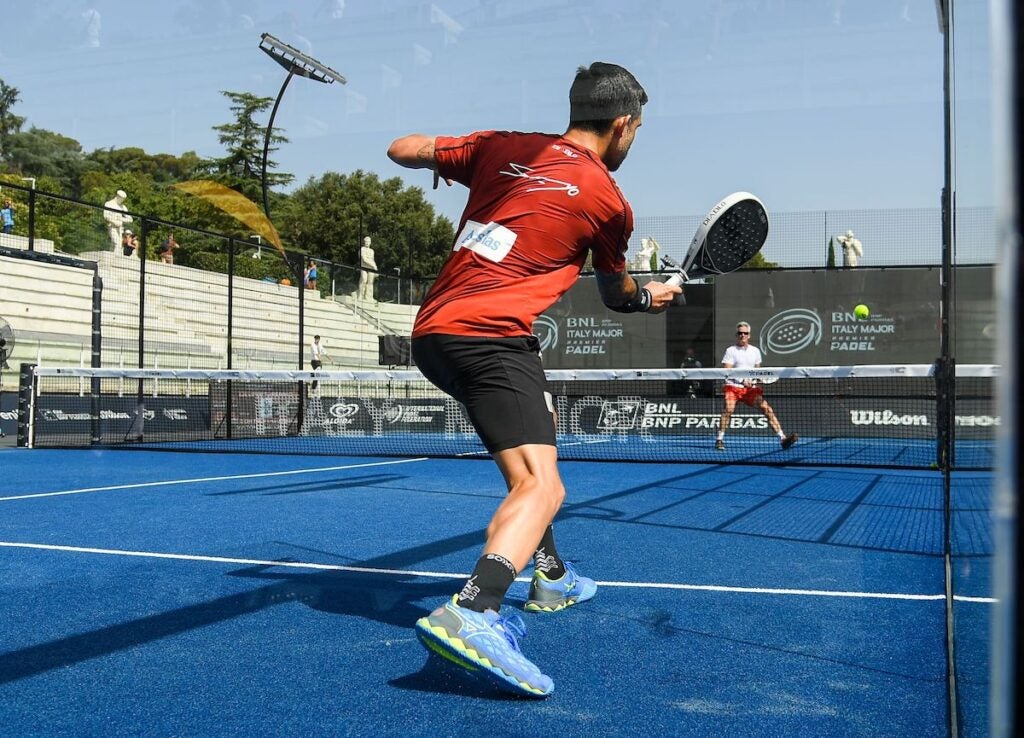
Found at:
(492, 241)
(522, 171)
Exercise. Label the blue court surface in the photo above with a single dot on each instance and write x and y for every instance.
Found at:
(158, 593)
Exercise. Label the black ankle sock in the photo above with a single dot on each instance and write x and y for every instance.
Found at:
(546, 558)
(486, 588)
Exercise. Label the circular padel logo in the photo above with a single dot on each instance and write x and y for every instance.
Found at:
(546, 330)
(791, 331)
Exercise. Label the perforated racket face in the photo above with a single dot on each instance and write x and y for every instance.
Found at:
(734, 236)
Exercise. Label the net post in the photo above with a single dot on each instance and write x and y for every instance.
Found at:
(26, 404)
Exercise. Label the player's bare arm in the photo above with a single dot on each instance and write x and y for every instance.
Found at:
(622, 293)
(416, 151)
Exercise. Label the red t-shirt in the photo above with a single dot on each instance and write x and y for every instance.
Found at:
(537, 203)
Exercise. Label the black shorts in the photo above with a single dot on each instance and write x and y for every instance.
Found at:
(316, 363)
(500, 381)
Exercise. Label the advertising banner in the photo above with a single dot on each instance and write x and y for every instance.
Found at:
(65, 415)
(806, 317)
(579, 332)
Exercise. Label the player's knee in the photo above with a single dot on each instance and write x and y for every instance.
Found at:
(550, 493)
(557, 495)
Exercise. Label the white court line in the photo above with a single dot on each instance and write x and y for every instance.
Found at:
(453, 575)
(172, 482)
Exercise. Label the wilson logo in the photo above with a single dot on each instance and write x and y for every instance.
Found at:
(885, 417)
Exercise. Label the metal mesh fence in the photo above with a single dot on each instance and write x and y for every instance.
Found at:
(891, 237)
(176, 296)
(222, 301)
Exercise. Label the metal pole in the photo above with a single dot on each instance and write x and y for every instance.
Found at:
(299, 265)
(266, 143)
(32, 219)
(97, 350)
(142, 301)
(231, 295)
(229, 389)
(945, 373)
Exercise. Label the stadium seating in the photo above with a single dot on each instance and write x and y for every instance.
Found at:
(186, 317)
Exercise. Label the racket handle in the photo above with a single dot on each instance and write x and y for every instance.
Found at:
(676, 279)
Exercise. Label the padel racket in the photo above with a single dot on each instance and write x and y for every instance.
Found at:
(728, 237)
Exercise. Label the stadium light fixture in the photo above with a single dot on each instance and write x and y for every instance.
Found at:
(296, 63)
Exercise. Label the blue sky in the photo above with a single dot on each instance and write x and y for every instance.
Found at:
(811, 104)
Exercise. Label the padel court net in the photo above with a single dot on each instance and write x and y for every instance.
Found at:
(906, 416)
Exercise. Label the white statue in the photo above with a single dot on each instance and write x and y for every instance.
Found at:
(367, 271)
(116, 218)
(852, 250)
(648, 248)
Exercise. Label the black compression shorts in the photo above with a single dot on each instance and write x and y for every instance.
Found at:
(500, 381)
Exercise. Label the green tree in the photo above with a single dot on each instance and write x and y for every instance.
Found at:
(9, 122)
(38, 152)
(161, 168)
(328, 218)
(830, 263)
(759, 262)
(241, 166)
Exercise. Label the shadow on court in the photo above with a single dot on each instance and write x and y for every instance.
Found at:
(319, 485)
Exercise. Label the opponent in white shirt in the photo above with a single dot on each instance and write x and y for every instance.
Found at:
(317, 354)
(741, 355)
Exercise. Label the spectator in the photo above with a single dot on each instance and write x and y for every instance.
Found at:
(317, 354)
(167, 249)
(690, 361)
(129, 244)
(310, 277)
(7, 217)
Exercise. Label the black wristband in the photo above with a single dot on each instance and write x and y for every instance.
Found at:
(639, 303)
(646, 299)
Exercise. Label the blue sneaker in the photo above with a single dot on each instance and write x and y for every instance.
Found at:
(547, 595)
(485, 644)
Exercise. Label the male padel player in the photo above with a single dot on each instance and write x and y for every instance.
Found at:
(537, 204)
(741, 355)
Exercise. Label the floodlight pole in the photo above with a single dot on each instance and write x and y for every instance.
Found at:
(266, 142)
(295, 62)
